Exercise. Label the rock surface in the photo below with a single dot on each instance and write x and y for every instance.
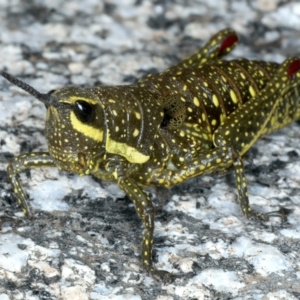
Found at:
(84, 242)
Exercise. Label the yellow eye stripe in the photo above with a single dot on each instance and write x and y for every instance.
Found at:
(94, 133)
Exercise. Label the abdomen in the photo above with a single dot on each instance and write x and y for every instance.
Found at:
(211, 92)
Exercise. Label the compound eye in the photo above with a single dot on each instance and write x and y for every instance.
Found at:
(84, 111)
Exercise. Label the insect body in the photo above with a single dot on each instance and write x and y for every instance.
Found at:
(197, 117)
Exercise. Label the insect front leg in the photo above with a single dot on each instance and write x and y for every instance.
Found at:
(118, 169)
(146, 212)
(20, 164)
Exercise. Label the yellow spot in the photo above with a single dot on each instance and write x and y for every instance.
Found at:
(205, 136)
(213, 122)
(136, 132)
(184, 87)
(252, 91)
(137, 115)
(111, 101)
(196, 101)
(87, 130)
(215, 100)
(203, 116)
(233, 96)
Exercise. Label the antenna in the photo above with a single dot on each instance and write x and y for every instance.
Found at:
(45, 98)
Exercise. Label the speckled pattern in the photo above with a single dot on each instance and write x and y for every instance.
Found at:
(85, 239)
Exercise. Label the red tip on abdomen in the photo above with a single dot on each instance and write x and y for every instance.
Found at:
(293, 68)
(228, 42)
